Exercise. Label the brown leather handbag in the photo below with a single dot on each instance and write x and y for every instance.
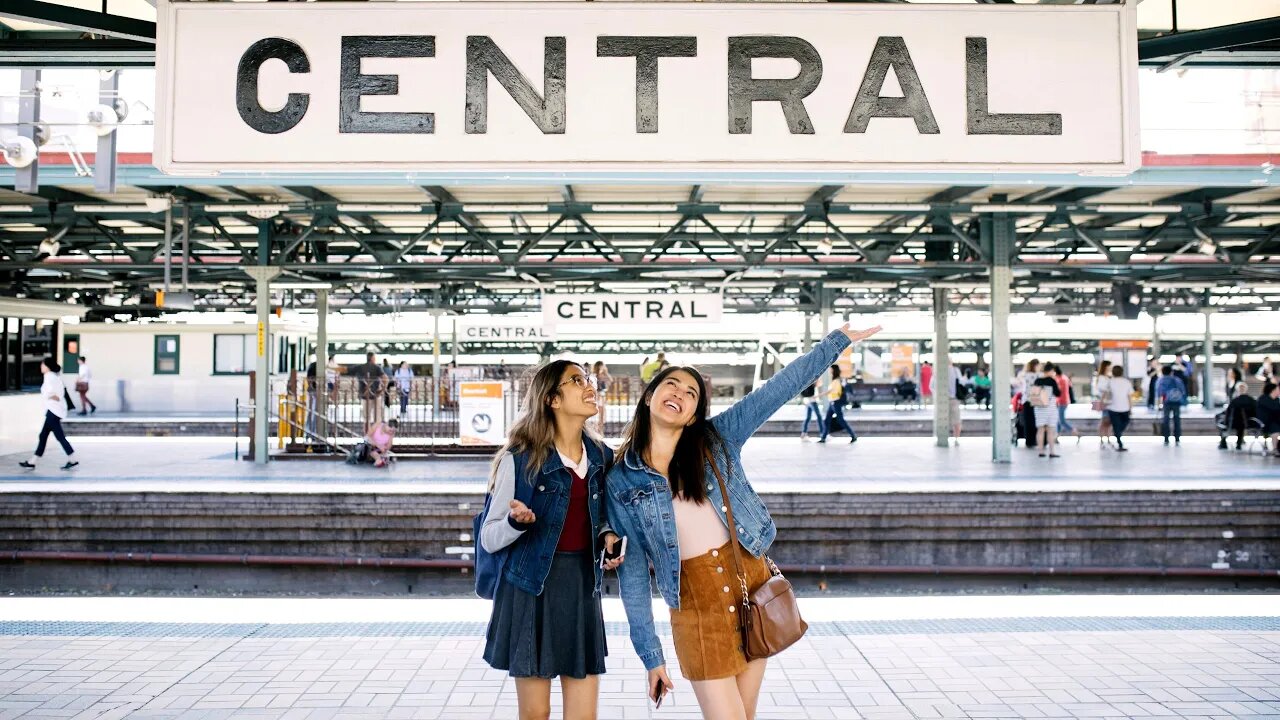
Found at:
(770, 619)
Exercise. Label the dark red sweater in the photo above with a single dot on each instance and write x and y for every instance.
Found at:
(575, 536)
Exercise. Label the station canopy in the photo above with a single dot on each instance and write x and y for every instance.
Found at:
(1181, 234)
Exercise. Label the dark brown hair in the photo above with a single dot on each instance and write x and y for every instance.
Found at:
(699, 444)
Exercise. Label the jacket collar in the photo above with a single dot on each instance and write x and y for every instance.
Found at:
(633, 461)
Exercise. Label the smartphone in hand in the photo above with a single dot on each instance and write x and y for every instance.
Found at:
(619, 550)
(659, 692)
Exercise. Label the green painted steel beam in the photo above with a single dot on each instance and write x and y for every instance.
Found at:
(44, 13)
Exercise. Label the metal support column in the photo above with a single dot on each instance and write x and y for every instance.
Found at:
(806, 343)
(824, 325)
(104, 163)
(1155, 335)
(997, 235)
(1206, 386)
(27, 179)
(262, 276)
(186, 243)
(322, 363)
(941, 370)
(435, 365)
(168, 248)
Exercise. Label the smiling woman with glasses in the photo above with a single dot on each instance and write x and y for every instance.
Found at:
(546, 518)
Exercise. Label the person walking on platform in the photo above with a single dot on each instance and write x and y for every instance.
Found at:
(1098, 391)
(680, 499)
(836, 402)
(602, 379)
(1026, 413)
(926, 382)
(82, 388)
(547, 620)
(1153, 378)
(372, 389)
(812, 408)
(1172, 394)
(1042, 396)
(1118, 392)
(404, 385)
(1064, 402)
(54, 394)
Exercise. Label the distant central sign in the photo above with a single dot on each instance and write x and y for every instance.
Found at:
(473, 85)
(596, 309)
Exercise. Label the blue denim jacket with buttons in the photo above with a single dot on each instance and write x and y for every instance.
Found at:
(530, 559)
(639, 499)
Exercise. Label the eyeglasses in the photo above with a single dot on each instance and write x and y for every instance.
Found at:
(579, 380)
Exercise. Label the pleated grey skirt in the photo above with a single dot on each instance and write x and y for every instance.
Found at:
(560, 632)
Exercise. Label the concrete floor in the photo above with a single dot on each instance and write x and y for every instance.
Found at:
(926, 657)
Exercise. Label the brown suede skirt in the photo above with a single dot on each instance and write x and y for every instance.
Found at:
(706, 627)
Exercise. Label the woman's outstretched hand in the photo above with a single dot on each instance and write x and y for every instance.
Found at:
(856, 335)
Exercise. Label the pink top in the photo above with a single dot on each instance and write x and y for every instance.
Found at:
(381, 438)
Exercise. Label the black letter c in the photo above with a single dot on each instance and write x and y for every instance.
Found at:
(251, 111)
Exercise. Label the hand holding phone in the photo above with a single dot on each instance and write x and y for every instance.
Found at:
(619, 551)
(659, 685)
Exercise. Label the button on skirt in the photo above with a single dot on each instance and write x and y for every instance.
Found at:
(706, 627)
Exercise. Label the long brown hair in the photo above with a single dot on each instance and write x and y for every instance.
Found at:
(534, 432)
(699, 443)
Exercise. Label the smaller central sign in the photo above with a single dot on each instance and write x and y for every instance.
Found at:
(480, 330)
(598, 309)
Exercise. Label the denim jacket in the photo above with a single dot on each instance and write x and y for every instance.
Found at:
(533, 546)
(640, 499)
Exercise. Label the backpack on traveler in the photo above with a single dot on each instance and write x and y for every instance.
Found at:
(1039, 396)
(1175, 395)
(489, 566)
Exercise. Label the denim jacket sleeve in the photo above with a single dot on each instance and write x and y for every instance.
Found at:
(738, 423)
(498, 530)
(636, 589)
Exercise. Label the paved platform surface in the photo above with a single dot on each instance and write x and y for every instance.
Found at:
(1136, 656)
(873, 464)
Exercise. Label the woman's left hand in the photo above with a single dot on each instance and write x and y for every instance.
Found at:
(610, 539)
(856, 335)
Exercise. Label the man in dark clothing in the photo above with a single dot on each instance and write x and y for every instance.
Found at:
(1238, 416)
(372, 387)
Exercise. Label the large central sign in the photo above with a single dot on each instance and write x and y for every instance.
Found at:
(558, 86)
(622, 310)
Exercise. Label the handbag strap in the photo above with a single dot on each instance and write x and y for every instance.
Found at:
(733, 539)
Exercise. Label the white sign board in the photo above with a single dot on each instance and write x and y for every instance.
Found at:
(626, 86)
(619, 310)
(482, 413)
(483, 330)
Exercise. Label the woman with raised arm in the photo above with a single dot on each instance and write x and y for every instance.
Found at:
(665, 499)
(547, 619)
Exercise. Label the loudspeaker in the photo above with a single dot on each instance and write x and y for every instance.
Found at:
(1128, 297)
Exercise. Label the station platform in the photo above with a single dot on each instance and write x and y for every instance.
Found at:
(773, 464)
(1030, 656)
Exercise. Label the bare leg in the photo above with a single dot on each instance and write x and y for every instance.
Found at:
(534, 698)
(749, 682)
(581, 697)
(1052, 434)
(719, 699)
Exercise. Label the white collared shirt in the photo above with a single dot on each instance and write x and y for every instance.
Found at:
(579, 468)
